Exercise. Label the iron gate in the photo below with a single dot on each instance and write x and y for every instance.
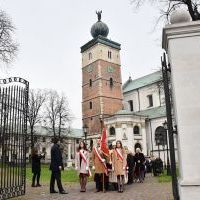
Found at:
(13, 130)
(166, 73)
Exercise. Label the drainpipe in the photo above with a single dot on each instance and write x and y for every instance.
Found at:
(138, 99)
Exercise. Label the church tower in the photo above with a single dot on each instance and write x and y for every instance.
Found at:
(101, 78)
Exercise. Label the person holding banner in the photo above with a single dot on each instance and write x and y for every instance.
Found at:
(99, 166)
(82, 162)
(119, 165)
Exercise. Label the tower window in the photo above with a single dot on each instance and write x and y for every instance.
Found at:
(90, 82)
(150, 98)
(90, 105)
(90, 56)
(109, 54)
(111, 82)
(130, 105)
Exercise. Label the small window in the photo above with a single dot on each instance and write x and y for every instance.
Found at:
(130, 105)
(90, 105)
(109, 54)
(111, 82)
(91, 118)
(90, 82)
(136, 130)
(43, 150)
(35, 139)
(43, 139)
(112, 131)
(150, 98)
(90, 56)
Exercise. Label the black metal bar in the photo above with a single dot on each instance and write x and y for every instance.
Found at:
(168, 163)
(170, 127)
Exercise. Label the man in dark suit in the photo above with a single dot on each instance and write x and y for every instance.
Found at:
(56, 166)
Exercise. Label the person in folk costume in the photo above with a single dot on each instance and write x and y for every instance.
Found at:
(99, 166)
(82, 162)
(140, 165)
(119, 165)
(112, 176)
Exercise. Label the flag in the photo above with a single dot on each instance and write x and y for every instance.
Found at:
(104, 146)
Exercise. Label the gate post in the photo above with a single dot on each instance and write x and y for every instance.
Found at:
(182, 44)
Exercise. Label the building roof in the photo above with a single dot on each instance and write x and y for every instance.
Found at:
(45, 131)
(141, 82)
(151, 113)
(127, 112)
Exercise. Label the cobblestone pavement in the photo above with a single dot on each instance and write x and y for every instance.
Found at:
(149, 190)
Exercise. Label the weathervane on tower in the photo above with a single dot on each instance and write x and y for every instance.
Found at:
(99, 15)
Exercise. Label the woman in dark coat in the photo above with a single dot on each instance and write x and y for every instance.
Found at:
(140, 165)
(36, 167)
(131, 166)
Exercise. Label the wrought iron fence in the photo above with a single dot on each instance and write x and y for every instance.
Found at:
(166, 72)
(13, 130)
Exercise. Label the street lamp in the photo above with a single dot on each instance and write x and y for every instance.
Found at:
(168, 165)
(158, 143)
(85, 128)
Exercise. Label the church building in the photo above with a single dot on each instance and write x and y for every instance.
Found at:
(133, 112)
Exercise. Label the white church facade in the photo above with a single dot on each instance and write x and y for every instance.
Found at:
(141, 120)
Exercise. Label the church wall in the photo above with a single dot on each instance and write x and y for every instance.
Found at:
(140, 99)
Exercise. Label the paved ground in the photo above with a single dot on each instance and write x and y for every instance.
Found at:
(149, 190)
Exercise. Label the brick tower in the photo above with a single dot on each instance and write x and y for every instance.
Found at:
(101, 78)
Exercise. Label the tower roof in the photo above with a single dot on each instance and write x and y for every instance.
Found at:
(101, 40)
(99, 28)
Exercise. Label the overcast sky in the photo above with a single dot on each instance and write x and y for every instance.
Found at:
(51, 32)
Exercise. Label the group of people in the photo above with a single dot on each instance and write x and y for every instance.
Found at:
(114, 168)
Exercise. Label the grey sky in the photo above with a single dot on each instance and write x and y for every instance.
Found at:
(50, 33)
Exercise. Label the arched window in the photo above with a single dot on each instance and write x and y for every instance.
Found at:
(138, 145)
(112, 130)
(90, 105)
(90, 56)
(136, 130)
(111, 82)
(160, 136)
(90, 82)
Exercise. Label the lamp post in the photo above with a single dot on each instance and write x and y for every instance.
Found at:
(158, 142)
(168, 165)
(85, 128)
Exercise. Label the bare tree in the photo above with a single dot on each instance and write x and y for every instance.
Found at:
(58, 114)
(36, 100)
(8, 47)
(167, 6)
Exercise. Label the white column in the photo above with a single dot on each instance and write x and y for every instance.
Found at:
(182, 43)
(130, 137)
(69, 160)
(144, 139)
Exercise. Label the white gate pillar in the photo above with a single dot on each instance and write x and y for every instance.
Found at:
(182, 43)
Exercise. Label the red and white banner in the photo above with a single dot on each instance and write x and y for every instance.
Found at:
(101, 160)
(104, 146)
(119, 155)
(87, 164)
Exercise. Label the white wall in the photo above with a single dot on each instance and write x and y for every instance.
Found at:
(143, 93)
